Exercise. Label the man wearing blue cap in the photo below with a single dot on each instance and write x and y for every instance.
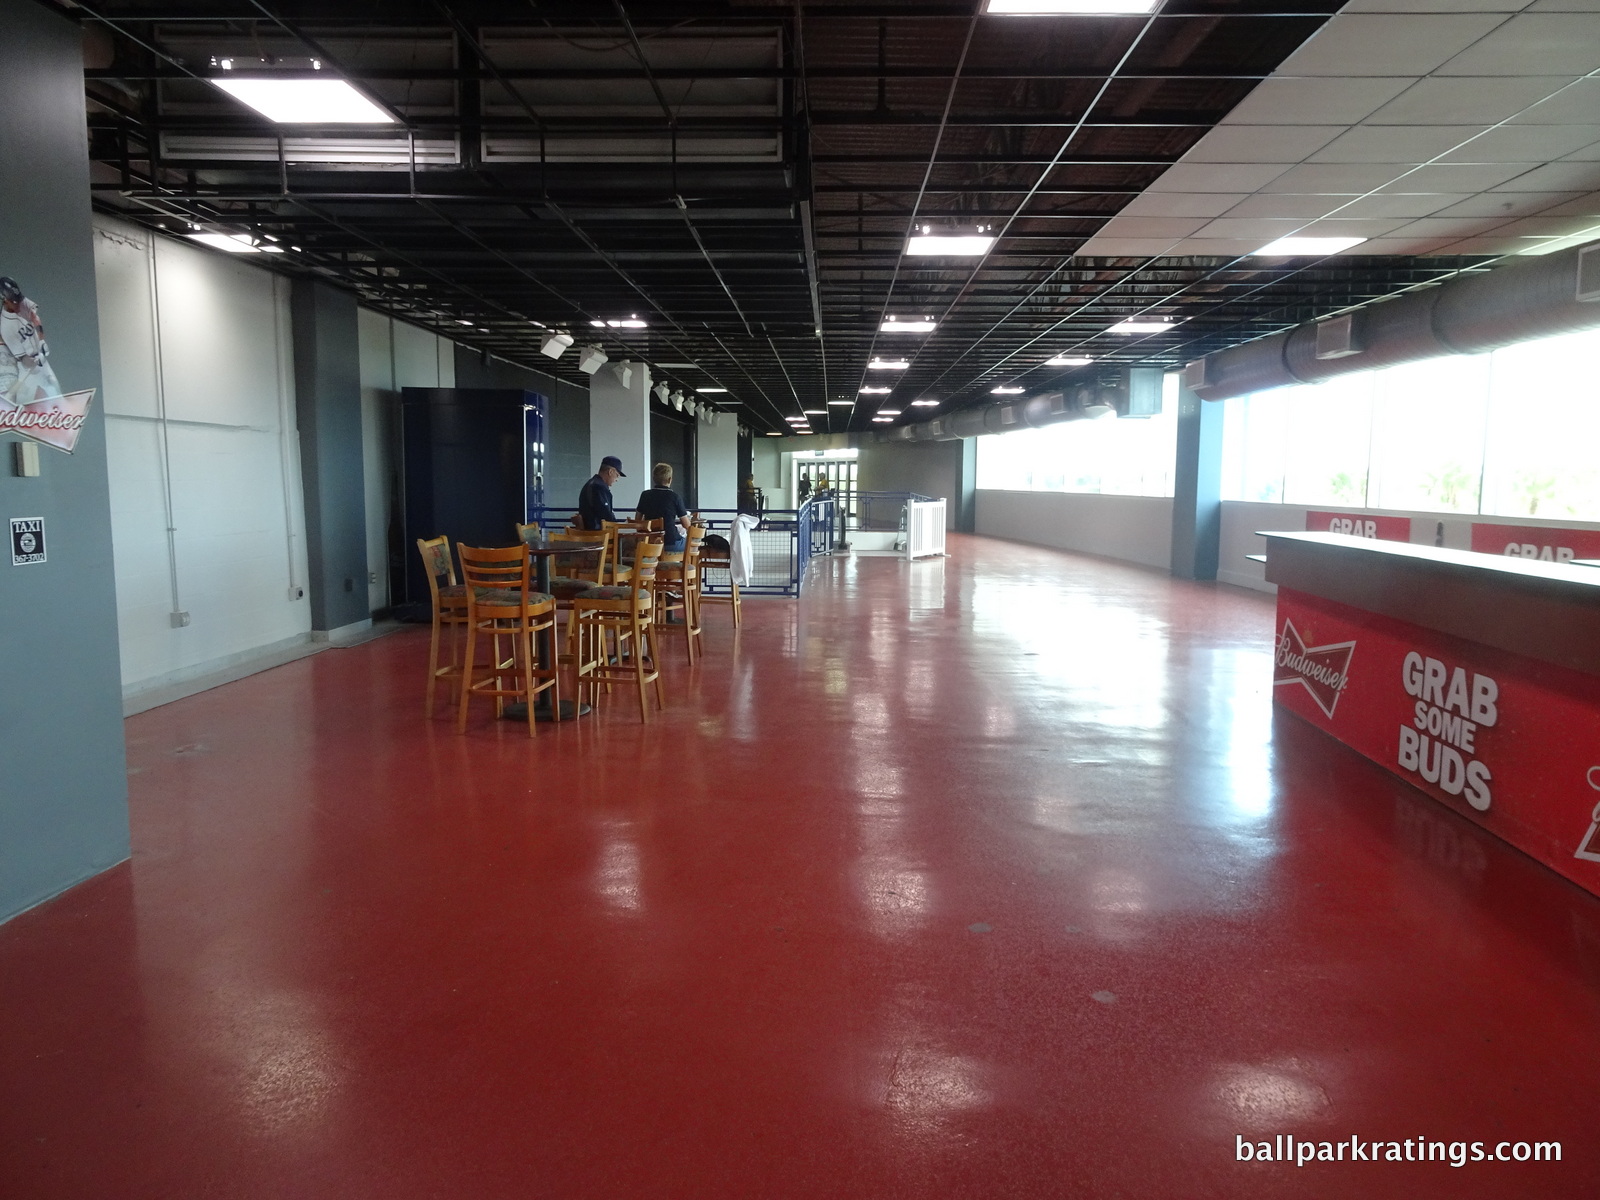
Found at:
(594, 501)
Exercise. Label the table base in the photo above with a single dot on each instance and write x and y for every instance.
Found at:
(571, 710)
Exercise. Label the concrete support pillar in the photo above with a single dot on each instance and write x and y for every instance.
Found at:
(717, 463)
(619, 424)
(1197, 488)
(327, 385)
(965, 517)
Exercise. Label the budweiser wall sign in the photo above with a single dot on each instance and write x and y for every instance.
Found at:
(31, 400)
(1321, 670)
(55, 422)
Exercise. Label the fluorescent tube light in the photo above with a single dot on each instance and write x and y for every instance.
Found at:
(925, 404)
(880, 364)
(874, 391)
(1067, 8)
(841, 402)
(711, 391)
(291, 101)
(1064, 360)
(233, 243)
(816, 412)
(773, 433)
(1141, 325)
(882, 420)
(888, 412)
(893, 325)
(1297, 246)
(1005, 391)
(958, 246)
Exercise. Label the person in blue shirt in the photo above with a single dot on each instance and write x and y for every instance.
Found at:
(661, 503)
(594, 501)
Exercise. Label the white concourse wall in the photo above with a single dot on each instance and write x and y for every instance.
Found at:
(619, 424)
(205, 476)
(394, 355)
(717, 463)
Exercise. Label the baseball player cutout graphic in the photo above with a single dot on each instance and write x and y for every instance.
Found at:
(26, 376)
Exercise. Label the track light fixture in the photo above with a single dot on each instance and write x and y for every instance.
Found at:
(591, 359)
(555, 343)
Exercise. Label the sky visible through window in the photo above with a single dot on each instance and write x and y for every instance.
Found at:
(1123, 457)
(1512, 433)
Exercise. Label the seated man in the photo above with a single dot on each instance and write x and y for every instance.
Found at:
(661, 503)
(594, 500)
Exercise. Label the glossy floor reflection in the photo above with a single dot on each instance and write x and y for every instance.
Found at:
(990, 877)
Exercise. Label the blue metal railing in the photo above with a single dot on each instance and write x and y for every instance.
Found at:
(782, 546)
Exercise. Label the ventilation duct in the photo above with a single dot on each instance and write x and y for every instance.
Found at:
(1100, 396)
(1469, 314)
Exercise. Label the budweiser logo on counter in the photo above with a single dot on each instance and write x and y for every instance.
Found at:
(1321, 670)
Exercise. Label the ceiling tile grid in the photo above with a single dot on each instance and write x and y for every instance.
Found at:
(1444, 105)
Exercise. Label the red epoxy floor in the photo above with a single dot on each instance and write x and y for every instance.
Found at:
(983, 878)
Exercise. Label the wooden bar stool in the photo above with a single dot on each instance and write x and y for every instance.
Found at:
(624, 536)
(717, 556)
(449, 611)
(576, 573)
(501, 603)
(615, 643)
(677, 587)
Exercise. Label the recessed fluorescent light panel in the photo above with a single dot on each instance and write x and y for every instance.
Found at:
(629, 323)
(925, 404)
(1294, 247)
(1005, 391)
(875, 391)
(711, 391)
(773, 433)
(952, 246)
(888, 412)
(816, 412)
(1066, 8)
(844, 403)
(1141, 325)
(1064, 360)
(293, 101)
(910, 325)
(233, 243)
(881, 420)
(887, 364)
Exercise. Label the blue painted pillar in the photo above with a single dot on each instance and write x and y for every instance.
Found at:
(1197, 488)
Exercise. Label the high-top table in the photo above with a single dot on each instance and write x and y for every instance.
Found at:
(1474, 677)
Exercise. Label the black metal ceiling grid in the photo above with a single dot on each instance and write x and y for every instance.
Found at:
(730, 173)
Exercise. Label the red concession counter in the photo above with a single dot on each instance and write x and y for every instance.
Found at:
(1473, 676)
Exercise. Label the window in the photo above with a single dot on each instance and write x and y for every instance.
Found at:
(1124, 457)
(1508, 433)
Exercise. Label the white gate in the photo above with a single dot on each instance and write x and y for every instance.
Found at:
(924, 528)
